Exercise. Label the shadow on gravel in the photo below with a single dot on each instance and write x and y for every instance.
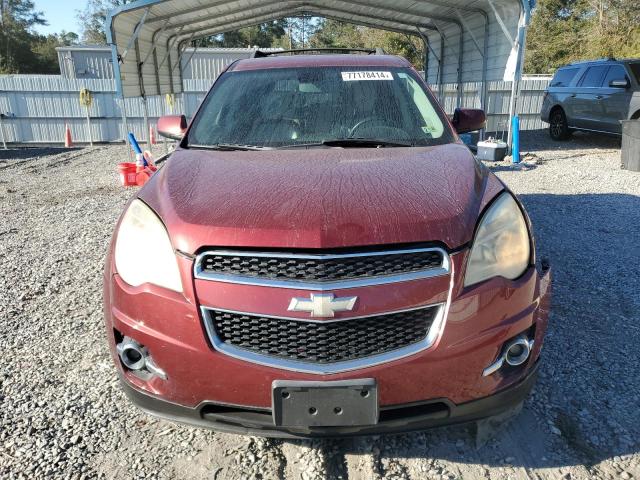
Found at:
(538, 140)
(22, 153)
(502, 167)
(584, 407)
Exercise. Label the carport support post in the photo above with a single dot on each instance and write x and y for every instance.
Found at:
(169, 101)
(441, 69)
(515, 86)
(89, 125)
(427, 47)
(145, 108)
(460, 62)
(4, 141)
(484, 95)
(125, 126)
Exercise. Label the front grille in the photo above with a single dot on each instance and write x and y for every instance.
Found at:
(322, 342)
(320, 268)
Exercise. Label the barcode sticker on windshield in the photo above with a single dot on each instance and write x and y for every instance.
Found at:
(354, 76)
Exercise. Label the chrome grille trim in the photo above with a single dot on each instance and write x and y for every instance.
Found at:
(325, 369)
(202, 274)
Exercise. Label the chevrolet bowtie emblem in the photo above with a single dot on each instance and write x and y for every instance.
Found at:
(323, 305)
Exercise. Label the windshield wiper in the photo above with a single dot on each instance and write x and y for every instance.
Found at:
(230, 147)
(353, 143)
(364, 142)
(336, 142)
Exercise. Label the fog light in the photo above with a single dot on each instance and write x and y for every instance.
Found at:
(132, 354)
(515, 352)
(136, 358)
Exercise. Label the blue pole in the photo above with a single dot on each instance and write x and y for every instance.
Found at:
(136, 148)
(515, 148)
(134, 144)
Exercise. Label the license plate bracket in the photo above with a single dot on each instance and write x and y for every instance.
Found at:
(340, 403)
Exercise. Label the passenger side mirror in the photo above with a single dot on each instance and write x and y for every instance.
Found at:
(172, 126)
(619, 83)
(468, 120)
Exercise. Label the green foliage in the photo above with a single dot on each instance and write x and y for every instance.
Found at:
(93, 18)
(21, 49)
(311, 32)
(333, 33)
(45, 50)
(563, 31)
(264, 35)
(301, 30)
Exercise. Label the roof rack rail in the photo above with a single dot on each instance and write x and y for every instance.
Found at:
(595, 60)
(300, 51)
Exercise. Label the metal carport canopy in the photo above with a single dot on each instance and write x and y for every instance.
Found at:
(467, 40)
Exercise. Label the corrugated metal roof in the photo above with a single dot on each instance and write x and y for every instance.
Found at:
(469, 39)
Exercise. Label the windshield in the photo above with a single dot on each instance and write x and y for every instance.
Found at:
(278, 108)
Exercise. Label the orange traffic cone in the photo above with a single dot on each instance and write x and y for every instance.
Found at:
(152, 135)
(68, 142)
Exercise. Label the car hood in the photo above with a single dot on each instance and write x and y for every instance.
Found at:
(320, 198)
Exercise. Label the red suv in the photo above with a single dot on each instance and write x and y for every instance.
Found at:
(322, 256)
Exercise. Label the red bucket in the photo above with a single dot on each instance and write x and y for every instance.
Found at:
(128, 174)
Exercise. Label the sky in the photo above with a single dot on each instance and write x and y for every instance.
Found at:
(61, 15)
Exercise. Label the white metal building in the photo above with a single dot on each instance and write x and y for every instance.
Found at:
(85, 61)
(96, 61)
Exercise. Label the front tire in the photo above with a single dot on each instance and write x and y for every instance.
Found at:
(558, 126)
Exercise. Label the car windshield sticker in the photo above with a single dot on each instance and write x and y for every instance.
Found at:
(353, 76)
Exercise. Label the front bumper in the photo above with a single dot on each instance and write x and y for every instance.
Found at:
(393, 419)
(441, 385)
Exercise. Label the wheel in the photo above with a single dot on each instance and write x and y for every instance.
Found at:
(558, 127)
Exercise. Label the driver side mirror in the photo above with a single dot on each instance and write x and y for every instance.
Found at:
(468, 120)
(172, 126)
(619, 83)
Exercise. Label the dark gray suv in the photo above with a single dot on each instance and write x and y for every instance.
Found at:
(593, 96)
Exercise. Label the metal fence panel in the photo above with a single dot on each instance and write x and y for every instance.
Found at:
(36, 108)
(499, 94)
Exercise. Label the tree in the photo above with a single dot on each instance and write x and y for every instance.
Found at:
(17, 20)
(45, 50)
(563, 31)
(93, 17)
(265, 35)
(66, 39)
(22, 50)
(336, 34)
(301, 30)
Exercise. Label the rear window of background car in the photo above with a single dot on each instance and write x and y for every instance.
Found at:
(593, 76)
(616, 72)
(563, 77)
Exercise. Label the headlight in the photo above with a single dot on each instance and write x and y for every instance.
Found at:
(501, 246)
(143, 251)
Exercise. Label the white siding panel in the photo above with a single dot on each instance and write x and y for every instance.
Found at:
(38, 107)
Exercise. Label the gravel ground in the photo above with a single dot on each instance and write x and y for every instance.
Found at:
(62, 414)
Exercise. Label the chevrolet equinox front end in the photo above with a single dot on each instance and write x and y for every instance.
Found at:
(321, 256)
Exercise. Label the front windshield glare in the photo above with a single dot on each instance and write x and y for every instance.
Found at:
(288, 107)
